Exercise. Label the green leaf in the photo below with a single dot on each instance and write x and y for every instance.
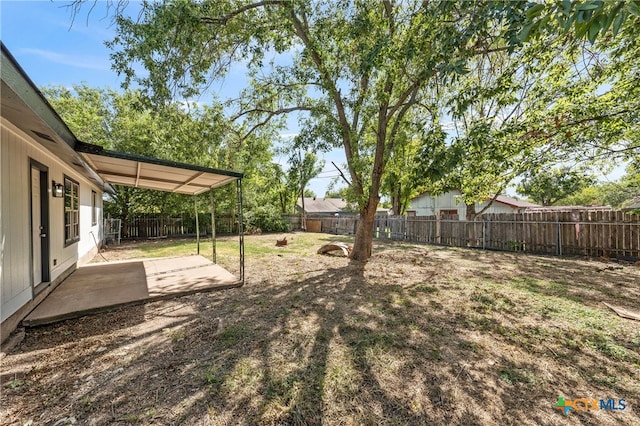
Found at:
(593, 31)
(587, 6)
(634, 7)
(581, 30)
(617, 23)
(534, 10)
(523, 35)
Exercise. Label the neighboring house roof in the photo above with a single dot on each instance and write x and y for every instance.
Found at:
(632, 204)
(322, 205)
(510, 201)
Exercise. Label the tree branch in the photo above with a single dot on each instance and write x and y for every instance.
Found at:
(396, 124)
(302, 31)
(562, 127)
(490, 202)
(272, 113)
(341, 174)
(222, 20)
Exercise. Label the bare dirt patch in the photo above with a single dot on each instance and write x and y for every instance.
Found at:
(420, 335)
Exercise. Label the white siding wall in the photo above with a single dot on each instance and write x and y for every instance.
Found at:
(427, 205)
(496, 208)
(16, 150)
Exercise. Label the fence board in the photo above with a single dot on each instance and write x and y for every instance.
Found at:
(588, 233)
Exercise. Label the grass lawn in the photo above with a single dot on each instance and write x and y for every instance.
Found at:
(418, 335)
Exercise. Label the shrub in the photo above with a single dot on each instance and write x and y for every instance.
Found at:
(267, 219)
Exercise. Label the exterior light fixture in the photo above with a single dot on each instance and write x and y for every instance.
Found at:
(57, 189)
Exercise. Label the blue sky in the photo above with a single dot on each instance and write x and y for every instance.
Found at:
(54, 49)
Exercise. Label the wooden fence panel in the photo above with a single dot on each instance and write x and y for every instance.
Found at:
(571, 233)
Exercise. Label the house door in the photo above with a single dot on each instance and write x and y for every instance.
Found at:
(39, 227)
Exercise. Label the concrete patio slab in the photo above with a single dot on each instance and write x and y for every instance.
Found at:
(101, 286)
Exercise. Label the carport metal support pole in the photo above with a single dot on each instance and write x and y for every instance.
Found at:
(195, 208)
(240, 229)
(213, 226)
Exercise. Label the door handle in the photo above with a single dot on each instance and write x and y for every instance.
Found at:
(43, 235)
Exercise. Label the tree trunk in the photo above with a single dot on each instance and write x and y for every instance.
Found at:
(396, 201)
(471, 229)
(471, 212)
(363, 242)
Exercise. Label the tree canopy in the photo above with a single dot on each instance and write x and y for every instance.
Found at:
(366, 74)
(360, 69)
(185, 133)
(548, 186)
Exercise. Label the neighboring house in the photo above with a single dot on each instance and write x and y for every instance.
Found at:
(632, 205)
(50, 202)
(323, 206)
(450, 204)
(330, 207)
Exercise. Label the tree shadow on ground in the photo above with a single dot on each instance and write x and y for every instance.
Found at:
(324, 341)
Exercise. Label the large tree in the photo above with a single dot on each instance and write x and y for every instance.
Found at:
(548, 186)
(178, 132)
(569, 94)
(589, 101)
(481, 148)
(358, 68)
(619, 194)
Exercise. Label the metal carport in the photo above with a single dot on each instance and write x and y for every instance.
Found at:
(138, 171)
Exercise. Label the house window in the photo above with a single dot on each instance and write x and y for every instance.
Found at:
(94, 208)
(71, 211)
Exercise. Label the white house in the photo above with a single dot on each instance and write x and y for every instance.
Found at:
(51, 199)
(50, 203)
(451, 204)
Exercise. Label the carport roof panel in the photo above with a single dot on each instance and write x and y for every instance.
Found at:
(144, 172)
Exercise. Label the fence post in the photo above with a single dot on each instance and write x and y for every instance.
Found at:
(484, 229)
(195, 207)
(559, 236)
(404, 228)
(213, 227)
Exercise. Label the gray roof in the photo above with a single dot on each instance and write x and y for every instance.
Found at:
(26, 107)
(513, 202)
(632, 204)
(322, 205)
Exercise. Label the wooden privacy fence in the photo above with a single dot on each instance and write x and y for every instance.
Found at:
(610, 233)
(589, 233)
(340, 225)
(157, 226)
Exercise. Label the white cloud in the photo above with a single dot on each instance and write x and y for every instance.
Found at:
(78, 61)
(288, 135)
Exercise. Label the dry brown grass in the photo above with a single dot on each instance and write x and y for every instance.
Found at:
(420, 335)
